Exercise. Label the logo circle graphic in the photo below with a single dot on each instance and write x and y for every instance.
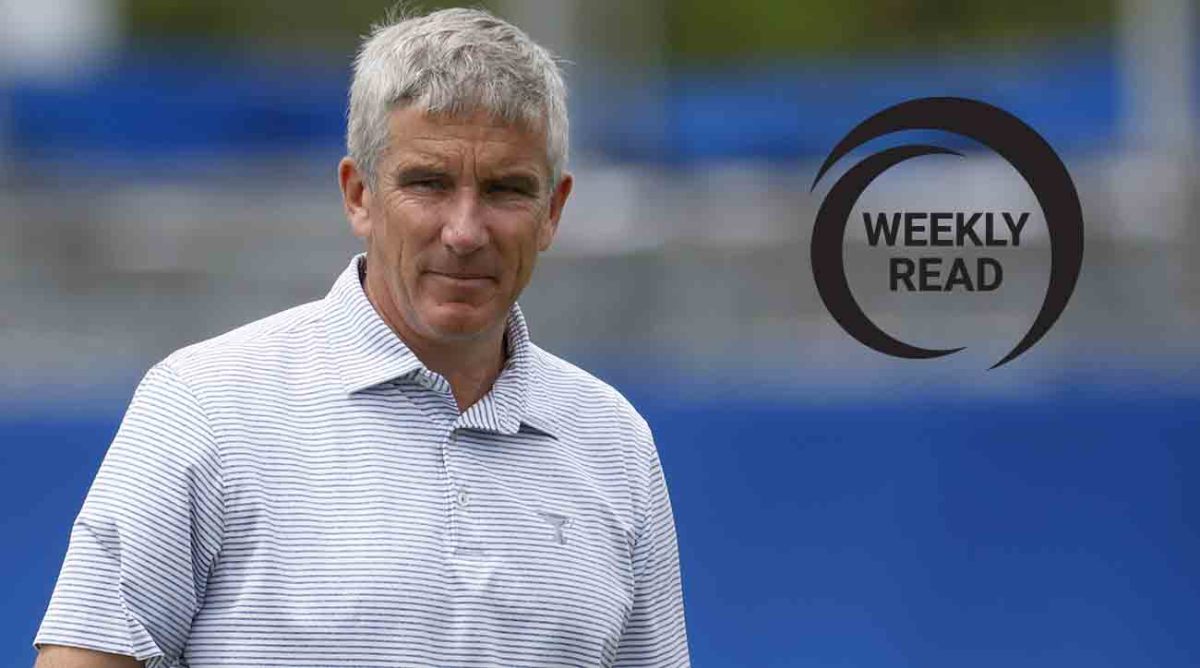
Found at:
(1006, 135)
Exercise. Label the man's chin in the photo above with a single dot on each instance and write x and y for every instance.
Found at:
(458, 321)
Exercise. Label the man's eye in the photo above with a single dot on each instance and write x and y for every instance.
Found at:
(426, 184)
(502, 189)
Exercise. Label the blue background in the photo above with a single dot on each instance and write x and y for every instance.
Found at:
(1059, 529)
(132, 107)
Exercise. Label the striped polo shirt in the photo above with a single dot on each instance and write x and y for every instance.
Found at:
(303, 491)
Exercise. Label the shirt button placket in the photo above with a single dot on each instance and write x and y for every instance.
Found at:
(452, 511)
(459, 497)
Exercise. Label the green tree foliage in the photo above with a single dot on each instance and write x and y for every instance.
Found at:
(724, 29)
(281, 23)
(692, 29)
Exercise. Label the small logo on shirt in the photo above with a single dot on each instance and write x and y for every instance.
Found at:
(559, 523)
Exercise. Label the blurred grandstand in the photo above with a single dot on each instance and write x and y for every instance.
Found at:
(167, 173)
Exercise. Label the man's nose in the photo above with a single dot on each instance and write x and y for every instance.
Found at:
(465, 230)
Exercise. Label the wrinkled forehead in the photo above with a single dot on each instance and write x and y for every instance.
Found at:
(485, 139)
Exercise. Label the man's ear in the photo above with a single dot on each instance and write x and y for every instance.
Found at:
(558, 199)
(356, 197)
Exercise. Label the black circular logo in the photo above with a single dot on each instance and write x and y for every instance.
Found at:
(1003, 133)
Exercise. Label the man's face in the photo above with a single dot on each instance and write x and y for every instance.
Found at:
(460, 210)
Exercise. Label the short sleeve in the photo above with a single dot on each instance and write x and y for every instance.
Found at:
(655, 633)
(147, 535)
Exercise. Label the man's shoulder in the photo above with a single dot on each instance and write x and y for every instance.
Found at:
(567, 393)
(267, 340)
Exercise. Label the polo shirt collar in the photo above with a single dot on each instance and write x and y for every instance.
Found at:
(366, 353)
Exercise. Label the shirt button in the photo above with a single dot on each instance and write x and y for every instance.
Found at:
(462, 498)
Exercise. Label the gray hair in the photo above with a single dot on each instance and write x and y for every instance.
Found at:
(454, 62)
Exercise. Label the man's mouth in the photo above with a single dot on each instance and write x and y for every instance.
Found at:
(462, 276)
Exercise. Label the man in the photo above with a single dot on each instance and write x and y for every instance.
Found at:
(394, 475)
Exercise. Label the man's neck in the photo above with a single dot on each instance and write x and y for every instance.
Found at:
(471, 366)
